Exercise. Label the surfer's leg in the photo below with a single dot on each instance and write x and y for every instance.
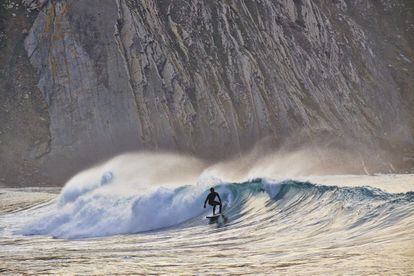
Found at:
(214, 209)
(217, 203)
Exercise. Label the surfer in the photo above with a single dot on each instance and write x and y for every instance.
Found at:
(211, 200)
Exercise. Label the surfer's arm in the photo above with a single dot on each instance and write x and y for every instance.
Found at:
(205, 202)
(219, 197)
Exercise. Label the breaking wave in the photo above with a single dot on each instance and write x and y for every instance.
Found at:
(98, 208)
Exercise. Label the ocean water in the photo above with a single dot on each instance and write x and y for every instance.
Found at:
(111, 221)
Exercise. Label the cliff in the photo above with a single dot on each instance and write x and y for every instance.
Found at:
(209, 78)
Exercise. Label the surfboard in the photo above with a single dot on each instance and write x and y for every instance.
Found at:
(213, 216)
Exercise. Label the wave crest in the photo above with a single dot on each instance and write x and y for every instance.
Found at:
(92, 210)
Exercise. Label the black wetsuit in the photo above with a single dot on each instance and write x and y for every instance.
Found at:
(211, 198)
(211, 201)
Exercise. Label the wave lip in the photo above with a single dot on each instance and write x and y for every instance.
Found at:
(93, 210)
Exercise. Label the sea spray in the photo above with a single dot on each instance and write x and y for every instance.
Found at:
(142, 192)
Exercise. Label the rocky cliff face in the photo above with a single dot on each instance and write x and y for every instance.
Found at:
(214, 77)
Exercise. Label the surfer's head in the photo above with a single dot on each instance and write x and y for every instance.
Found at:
(211, 189)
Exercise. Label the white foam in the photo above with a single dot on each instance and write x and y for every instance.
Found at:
(128, 194)
(94, 214)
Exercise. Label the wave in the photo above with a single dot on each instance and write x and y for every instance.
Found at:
(96, 209)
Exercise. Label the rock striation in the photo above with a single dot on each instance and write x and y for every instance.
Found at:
(214, 77)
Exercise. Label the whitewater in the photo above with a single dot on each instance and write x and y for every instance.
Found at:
(143, 214)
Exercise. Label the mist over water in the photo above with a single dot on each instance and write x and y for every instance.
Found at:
(146, 210)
